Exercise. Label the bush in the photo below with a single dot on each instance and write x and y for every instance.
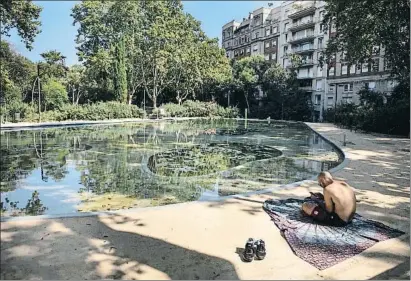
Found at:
(25, 110)
(375, 115)
(196, 109)
(97, 111)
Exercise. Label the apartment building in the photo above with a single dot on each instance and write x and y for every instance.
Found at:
(295, 27)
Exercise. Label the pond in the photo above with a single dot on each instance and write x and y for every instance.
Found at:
(110, 167)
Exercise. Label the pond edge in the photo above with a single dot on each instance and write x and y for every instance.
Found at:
(343, 164)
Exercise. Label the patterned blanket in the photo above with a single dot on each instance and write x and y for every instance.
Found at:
(320, 245)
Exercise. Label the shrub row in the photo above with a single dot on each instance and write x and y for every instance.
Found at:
(115, 110)
(97, 111)
(196, 109)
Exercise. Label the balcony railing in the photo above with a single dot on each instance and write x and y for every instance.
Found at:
(307, 61)
(309, 76)
(301, 38)
(310, 48)
(303, 24)
(306, 88)
(301, 12)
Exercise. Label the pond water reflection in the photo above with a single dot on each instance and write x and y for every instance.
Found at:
(110, 167)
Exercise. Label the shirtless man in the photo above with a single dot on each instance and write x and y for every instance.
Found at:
(339, 199)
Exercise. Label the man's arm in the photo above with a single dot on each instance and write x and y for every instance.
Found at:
(329, 205)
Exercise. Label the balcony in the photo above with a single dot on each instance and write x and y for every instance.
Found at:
(302, 12)
(317, 107)
(302, 25)
(301, 50)
(306, 88)
(309, 76)
(307, 62)
(300, 39)
(304, 63)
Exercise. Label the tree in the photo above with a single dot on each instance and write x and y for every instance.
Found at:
(54, 94)
(248, 75)
(22, 15)
(120, 75)
(54, 65)
(76, 83)
(17, 74)
(361, 25)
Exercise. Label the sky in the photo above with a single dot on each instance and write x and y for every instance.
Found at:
(58, 32)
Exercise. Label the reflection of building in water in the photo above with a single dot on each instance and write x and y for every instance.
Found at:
(312, 165)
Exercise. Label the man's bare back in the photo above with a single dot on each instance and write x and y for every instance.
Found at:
(339, 204)
(342, 196)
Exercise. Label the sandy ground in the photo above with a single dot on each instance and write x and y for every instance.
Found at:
(200, 240)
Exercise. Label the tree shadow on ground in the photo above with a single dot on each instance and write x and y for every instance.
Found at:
(101, 251)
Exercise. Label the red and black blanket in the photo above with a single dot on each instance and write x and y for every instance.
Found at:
(320, 245)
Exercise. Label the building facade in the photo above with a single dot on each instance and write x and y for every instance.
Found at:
(295, 28)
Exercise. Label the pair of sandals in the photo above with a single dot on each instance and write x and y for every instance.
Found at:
(254, 248)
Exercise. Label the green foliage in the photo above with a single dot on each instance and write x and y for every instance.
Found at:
(22, 15)
(54, 94)
(361, 25)
(376, 113)
(120, 75)
(197, 109)
(98, 111)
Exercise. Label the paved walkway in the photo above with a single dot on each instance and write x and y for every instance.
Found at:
(199, 240)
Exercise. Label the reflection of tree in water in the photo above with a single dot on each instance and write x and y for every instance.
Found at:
(109, 158)
(33, 207)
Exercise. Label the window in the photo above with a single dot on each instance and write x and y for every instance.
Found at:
(348, 87)
(267, 57)
(286, 27)
(322, 28)
(344, 69)
(275, 29)
(228, 44)
(317, 100)
(371, 85)
(330, 100)
(236, 42)
(267, 44)
(235, 53)
(241, 51)
(319, 71)
(320, 43)
(286, 38)
(274, 43)
(375, 65)
(285, 49)
(331, 72)
(255, 48)
(331, 88)
(285, 62)
(257, 34)
(248, 49)
(267, 32)
(274, 56)
(319, 85)
(352, 69)
(364, 67)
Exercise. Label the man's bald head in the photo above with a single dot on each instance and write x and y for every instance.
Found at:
(324, 179)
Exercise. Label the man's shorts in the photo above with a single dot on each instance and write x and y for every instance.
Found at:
(321, 215)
